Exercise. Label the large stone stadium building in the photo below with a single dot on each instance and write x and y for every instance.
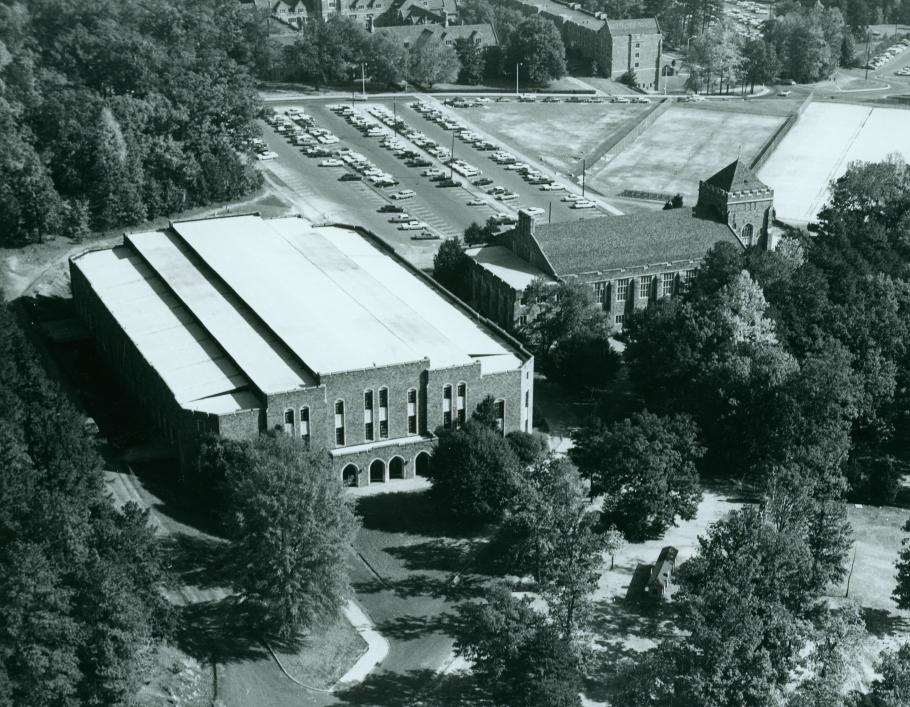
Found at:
(235, 326)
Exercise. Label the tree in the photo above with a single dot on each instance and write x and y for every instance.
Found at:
(474, 473)
(901, 593)
(676, 202)
(451, 267)
(290, 525)
(519, 656)
(433, 62)
(29, 203)
(475, 234)
(760, 64)
(472, 57)
(630, 79)
(529, 447)
(646, 466)
(76, 220)
(537, 46)
(387, 60)
(584, 359)
(614, 541)
(893, 688)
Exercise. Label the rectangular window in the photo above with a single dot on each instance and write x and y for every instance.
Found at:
(500, 408)
(383, 413)
(460, 403)
(644, 288)
(636, 64)
(368, 415)
(619, 319)
(305, 426)
(636, 55)
(527, 397)
(600, 293)
(687, 279)
(412, 412)
(339, 422)
(666, 284)
(622, 289)
(637, 45)
(447, 407)
(289, 422)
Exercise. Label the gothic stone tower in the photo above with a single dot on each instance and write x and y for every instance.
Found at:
(736, 196)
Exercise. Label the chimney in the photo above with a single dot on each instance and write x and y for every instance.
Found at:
(370, 24)
(445, 17)
(525, 226)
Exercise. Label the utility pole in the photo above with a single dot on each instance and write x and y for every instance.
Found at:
(584, 169)
(395, 112)
(452, 158)
(363, 82)
(550, 215)
(516, 78)
(867, 54)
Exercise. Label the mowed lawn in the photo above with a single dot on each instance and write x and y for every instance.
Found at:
(559, 134)
(684, 145)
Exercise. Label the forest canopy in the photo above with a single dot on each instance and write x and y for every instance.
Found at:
(114, 112)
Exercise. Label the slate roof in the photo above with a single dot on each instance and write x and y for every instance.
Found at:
(611, 242)
(736, 176)
(433, 6)
(415, 33)
(641, 25)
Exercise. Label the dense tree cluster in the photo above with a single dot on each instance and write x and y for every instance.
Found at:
(114, 112)
(290, 526)
(332, 52)
(80, 581)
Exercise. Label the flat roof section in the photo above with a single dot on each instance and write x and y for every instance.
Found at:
(508, 267)
(264, 358)
(337, 301)
(192, 364)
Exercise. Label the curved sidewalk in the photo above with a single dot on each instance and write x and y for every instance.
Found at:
(377, 645)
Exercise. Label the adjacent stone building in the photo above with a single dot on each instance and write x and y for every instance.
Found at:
(627, 260)
(413, 35)
(617, 46)
(239, 325)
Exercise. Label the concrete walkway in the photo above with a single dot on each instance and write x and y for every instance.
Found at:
(377, 646)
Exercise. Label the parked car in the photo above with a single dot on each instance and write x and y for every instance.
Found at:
(331, 163)
(413, 225)
(446, 183)
(583, 204)
(476, 202)
(267, 155)
(482, 182)
(390, 209)
(507, 196)
(784, 93)
(552, 186)
(403, 194)
(400, 218)
(349, 177)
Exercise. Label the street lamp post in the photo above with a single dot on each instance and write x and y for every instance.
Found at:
(516, 77)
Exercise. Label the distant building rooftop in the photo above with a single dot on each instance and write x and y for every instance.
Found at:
(413, 34)
(610, 242)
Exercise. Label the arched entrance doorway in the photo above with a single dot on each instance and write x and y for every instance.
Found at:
(377, 472)
(396, 468)
(422, 464)
(349, 475)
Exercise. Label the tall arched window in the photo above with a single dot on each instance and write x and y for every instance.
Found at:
(339, 422)
(368, 415)
(500, 407)
(305, 426)
(460, 398)
(412, 411)
(383, 413)
(748, 233)
(447, 406)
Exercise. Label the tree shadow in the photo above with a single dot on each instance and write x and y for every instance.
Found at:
(410, 513)
(443, 554)
(220, 631)
(198, 561)
(620, 623)
(416, 688)
(880, 622)
(410, 628)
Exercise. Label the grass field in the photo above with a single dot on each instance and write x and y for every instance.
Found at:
(824, 141)
(684, 145)
(560, 134)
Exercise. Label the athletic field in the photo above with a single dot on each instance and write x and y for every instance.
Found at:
(825, 140)
(684, 145)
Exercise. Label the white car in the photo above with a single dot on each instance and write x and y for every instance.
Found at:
(403, 194)
(267, 155)
(476, 202)
(401, 218)
(535, 211)
(507, 196)
(583, 204)
(331, 163)
(571, 198)
(552, 186)
(413, 225)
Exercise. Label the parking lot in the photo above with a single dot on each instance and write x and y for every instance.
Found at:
(353, 161)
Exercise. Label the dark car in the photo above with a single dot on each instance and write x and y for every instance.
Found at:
(438, 178)
(449, 183)
(390, 209)
(348, 177)
(482, 182)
